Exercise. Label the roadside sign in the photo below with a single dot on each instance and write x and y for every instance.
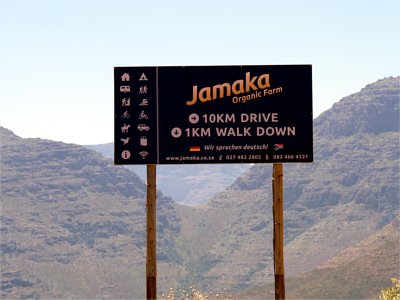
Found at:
(213, 114)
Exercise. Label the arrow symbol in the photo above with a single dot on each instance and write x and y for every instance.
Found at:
(176, 132)
(194, 118)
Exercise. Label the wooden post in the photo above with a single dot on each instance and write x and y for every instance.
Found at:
(277, 208)
(151, 258)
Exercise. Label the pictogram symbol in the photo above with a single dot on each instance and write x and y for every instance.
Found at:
(126, 154)
(143, 127)
(125, 115)
(125, 128)
(143, 89)
(125, 141)
(126, 102)
(143, 154)
(125, 77)
(143, 77)
(144, 102)
(143, 141)
(143, 115)
(125, 88)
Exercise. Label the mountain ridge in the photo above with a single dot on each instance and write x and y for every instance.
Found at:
(350, 191)
(374, 109)
(72, 223)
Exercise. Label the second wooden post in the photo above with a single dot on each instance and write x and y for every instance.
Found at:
(277, 209)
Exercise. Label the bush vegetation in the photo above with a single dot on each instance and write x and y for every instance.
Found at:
(391, 293)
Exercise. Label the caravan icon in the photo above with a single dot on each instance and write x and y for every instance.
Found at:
(125, 88)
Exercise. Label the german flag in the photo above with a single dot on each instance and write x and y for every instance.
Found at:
(194, 149)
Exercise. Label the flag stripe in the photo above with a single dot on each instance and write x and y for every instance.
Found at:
(194, 149)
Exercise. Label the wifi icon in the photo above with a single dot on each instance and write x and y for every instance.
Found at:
(143, 154)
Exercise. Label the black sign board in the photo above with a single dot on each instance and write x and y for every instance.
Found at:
(213, 114)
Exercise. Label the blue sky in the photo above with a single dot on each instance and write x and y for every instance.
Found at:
(57, 57)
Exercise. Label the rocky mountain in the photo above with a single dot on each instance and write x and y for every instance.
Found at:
(373, 110)
(358, 272)
(197, 183)
(350, 192)
(73, 224)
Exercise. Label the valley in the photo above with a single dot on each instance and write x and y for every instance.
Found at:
(73, 223)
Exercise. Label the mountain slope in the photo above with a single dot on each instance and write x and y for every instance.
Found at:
(359, 271)
(348, 193)
(197, 183)
(73, 225)
(375, 259)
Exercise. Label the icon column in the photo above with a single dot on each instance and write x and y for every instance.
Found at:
(135, 124)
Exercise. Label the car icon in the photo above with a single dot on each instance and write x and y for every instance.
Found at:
(143, 127)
